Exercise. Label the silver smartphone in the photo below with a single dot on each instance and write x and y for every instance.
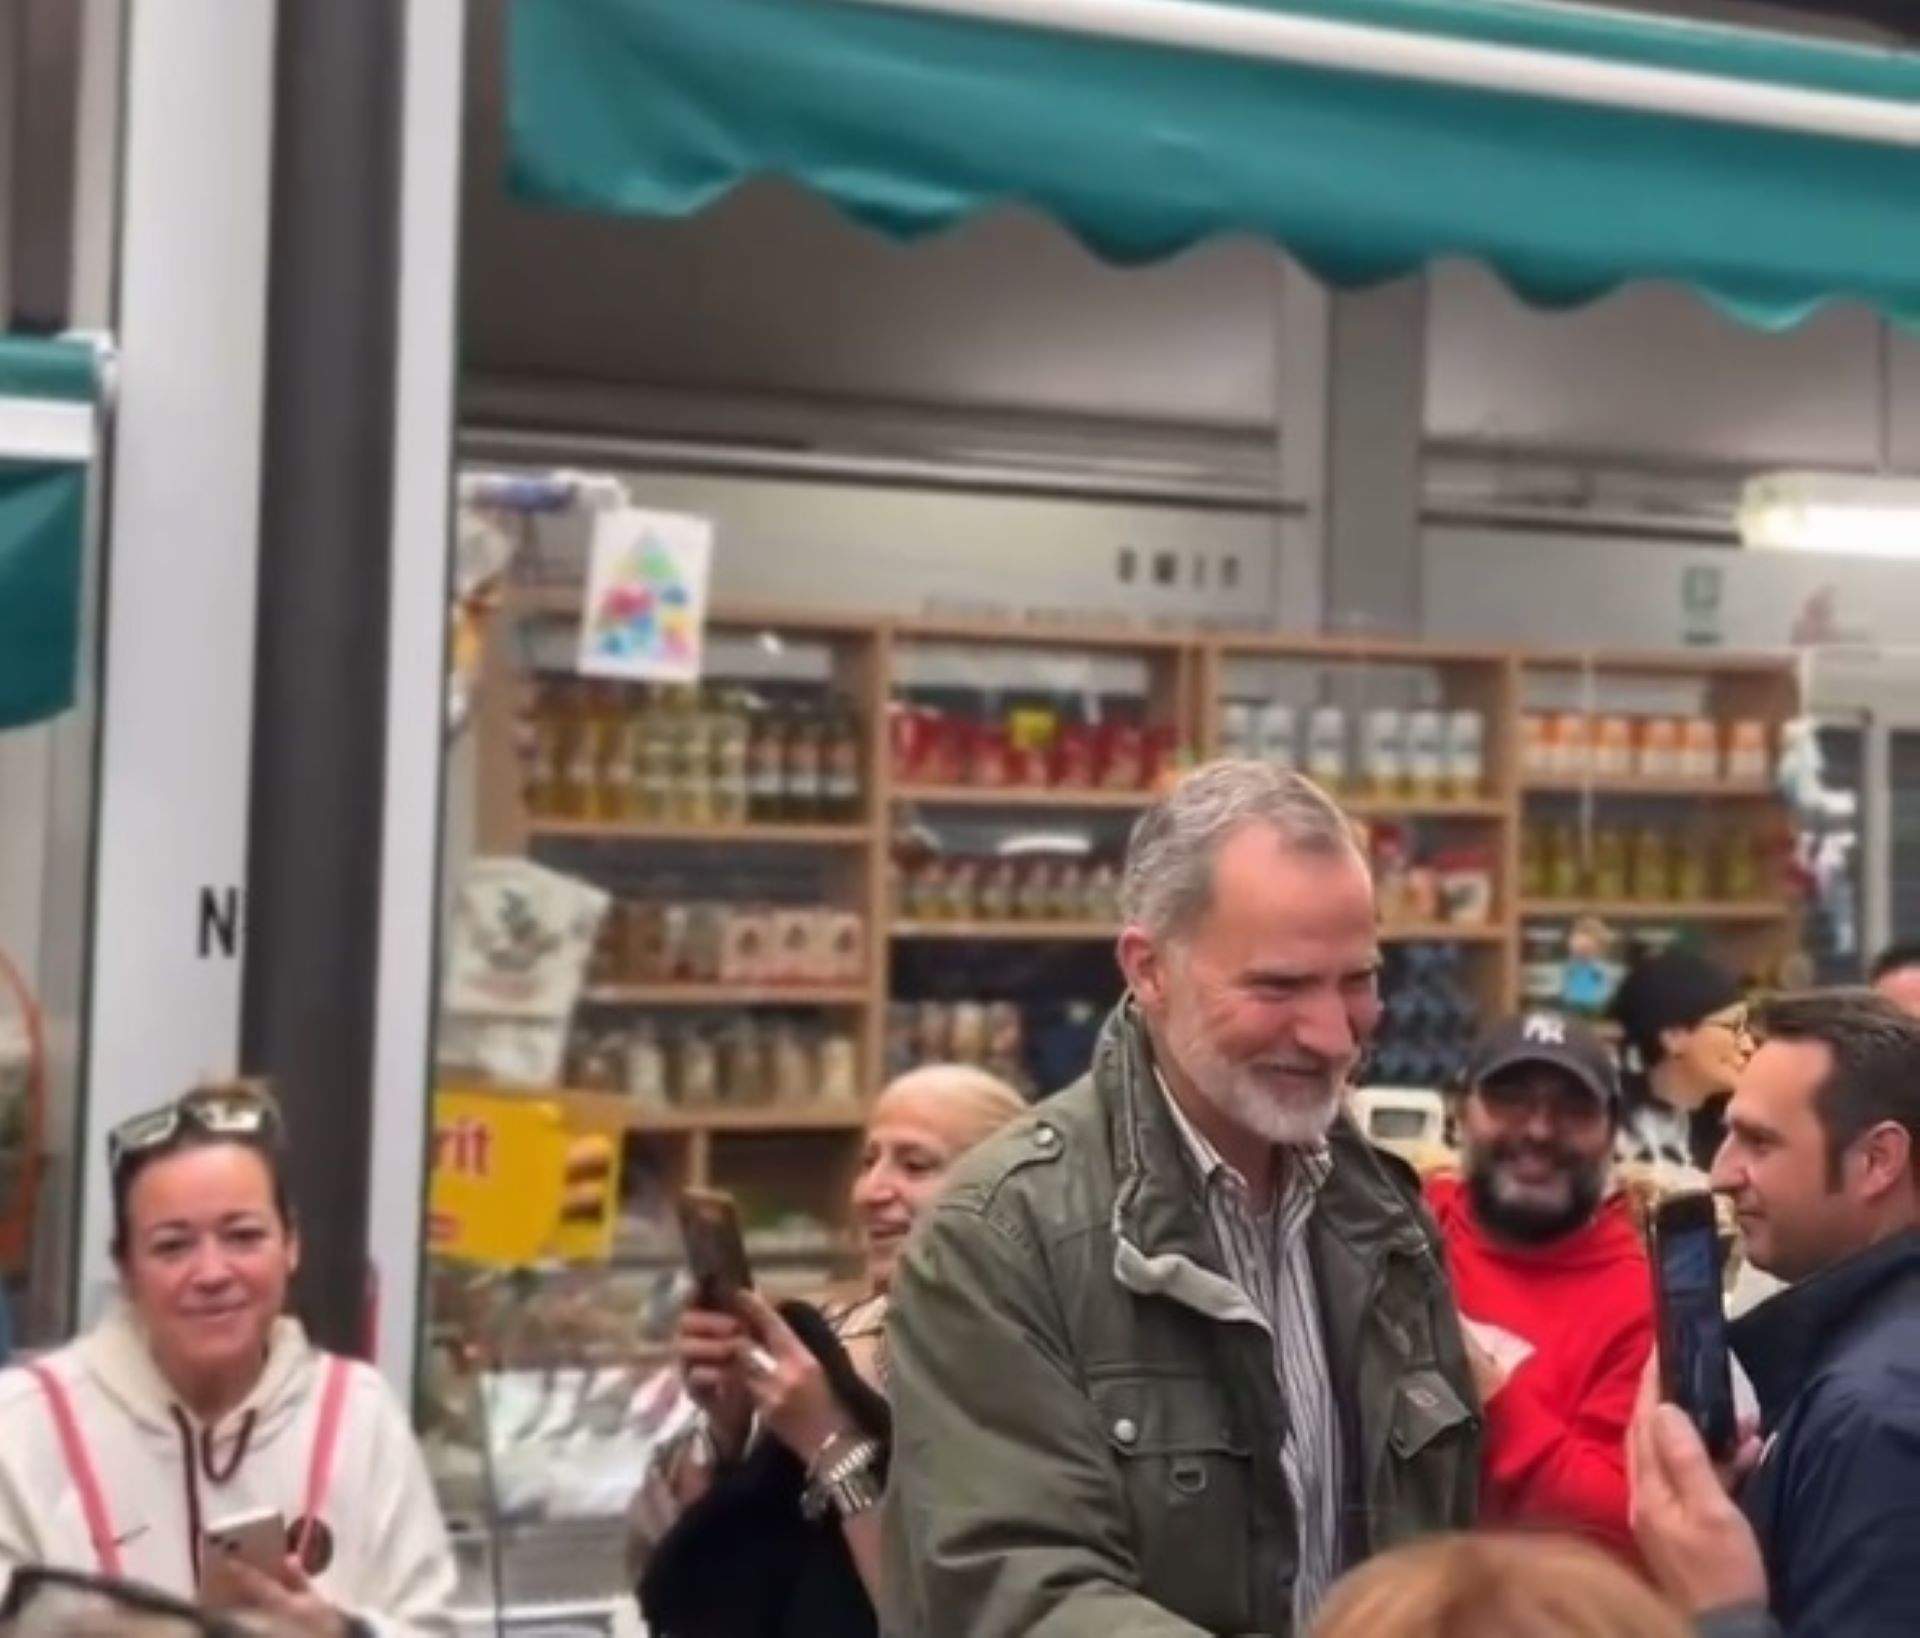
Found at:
(258, 1539)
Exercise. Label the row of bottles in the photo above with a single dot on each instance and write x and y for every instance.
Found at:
(1650, 865)
(695, 755)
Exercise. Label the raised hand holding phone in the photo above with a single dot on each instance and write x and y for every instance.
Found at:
(1696, 1370)
(711, 1342)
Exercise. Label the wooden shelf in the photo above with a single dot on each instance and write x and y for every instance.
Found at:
(1441, 932)
(1014, 634)
(1021, 796)
(617, 1109)
(726, 995)
(1378, 650)
(1729, 910)
(771, 835)
(1414, 807)
(1713, 789)
(563, 600)
(1663, 663)
(1008, 932)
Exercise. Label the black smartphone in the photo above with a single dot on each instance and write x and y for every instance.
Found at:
(716, 1253)
(1696, 1372)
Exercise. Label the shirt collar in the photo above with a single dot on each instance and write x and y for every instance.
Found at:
(1307, 1165)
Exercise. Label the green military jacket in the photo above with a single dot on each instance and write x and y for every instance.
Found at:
(1087, 1424)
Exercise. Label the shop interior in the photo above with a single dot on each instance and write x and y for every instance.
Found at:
(996, 538)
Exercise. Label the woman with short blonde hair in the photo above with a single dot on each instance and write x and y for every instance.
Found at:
(1497, 1586)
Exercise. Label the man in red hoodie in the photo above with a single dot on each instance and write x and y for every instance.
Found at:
(1550, 1276)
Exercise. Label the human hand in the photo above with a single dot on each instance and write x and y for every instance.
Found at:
(710, 1347)
(1747, 1444)
(1695, 1539)
(283, 1605)
(790, 1391)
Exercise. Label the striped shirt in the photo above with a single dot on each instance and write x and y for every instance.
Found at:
(1266, 1256)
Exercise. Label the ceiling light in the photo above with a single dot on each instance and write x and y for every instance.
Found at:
(1831, 512)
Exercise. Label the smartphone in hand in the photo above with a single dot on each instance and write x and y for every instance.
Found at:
(257, 1539)
(716, 1252)
(1690, 1310)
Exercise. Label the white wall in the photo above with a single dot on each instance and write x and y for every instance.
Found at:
(842, 545)
(1548, 590)
(1653, 371)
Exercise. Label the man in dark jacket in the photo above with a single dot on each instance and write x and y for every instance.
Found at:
(1822, 1162)
(1175, 1350)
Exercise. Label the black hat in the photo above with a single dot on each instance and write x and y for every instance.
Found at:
(1546, 1038)
(1677, 989)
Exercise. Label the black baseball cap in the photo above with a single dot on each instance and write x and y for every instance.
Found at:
(1546, 1038)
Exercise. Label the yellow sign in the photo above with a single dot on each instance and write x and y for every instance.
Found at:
(515, 1183)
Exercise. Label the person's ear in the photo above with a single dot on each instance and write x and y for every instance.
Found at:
(1882, 1159)
(1674, 1039)
(1143, 959)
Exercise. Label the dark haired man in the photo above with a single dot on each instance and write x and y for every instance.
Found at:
(1820, 1161)
(1550, 1276)
(1896, 975)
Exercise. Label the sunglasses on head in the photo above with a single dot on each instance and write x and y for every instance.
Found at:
(241, 1110)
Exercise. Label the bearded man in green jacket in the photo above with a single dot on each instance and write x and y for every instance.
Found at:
(1177, 1349)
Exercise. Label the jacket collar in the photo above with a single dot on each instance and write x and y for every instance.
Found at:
(1156, 1205)
(1783, 1340)
(1159, 1225)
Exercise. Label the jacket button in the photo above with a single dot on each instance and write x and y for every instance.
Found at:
(1045, 1136)
(1127, 1431)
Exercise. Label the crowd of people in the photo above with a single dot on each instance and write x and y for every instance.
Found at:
(1175, 1351)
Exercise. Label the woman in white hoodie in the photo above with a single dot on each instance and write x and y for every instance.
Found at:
(196, 1400)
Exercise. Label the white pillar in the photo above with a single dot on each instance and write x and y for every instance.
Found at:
(196, 151)
(416, 676)
(1352, 416)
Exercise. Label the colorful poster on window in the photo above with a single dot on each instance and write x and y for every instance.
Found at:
(646, 608)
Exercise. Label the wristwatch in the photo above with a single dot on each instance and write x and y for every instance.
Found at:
(843, 1478)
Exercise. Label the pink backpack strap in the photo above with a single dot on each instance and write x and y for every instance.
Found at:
(326, 1441)
(80, 1468)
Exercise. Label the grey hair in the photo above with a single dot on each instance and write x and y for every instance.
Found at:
(1168, 880)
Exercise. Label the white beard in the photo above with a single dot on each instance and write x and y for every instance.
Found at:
(1302, 1116)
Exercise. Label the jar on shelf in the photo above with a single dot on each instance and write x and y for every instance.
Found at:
(730, 737)
(1652, 866)
(841, 785)
(766, 764)
(1566, 874)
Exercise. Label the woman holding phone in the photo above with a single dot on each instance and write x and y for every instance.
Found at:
(194, 1440)
(753, 1388)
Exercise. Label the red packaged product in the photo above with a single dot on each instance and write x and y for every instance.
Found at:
(1160, 765)
(1028, 766)
(989, 756)
(907, 729)
(1073, 758)
(945, 757)
(1123, 756)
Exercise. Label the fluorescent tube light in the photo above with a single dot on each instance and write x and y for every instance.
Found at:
(1832, 512)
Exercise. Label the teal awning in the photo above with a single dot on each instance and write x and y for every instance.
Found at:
(46, 437)
(912, 121)
(61, 370)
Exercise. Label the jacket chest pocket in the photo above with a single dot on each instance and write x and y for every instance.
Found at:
(1431, 1460)
(1188, 1480)
(1426, 1410)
